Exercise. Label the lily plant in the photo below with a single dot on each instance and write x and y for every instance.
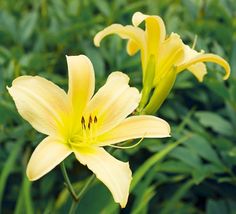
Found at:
(82, 123)
(162, 57)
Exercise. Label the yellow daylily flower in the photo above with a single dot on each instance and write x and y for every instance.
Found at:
(162, 57)
(82, 123)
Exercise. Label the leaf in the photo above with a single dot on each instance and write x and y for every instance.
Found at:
(8, 167)
(27, 25)
(142, 170)
(216, 122)
(188, 156)
(172, 203)
(216, 207)
(203, 148)
(146, 196)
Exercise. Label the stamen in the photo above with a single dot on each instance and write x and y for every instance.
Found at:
(127, 147)
(83, 122)
(90, 119)
(95, 119)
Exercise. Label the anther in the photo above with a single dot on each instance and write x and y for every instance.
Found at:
(83, 122)
(90, 119)
(95, 119)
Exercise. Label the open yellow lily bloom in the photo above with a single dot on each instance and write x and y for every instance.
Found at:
(162, 57)
(83, 123)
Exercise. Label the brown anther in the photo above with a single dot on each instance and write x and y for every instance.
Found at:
(83, 122)
(90, 119)
(95, 119)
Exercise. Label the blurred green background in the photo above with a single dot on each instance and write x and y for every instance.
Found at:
(197, 176)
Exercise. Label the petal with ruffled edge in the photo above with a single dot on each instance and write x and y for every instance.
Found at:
(81, 82)
(113, 102)
(143, 126)
(42, 103)
(47, 155)
(115, 174)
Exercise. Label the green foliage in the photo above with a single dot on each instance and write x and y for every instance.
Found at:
(192, 172)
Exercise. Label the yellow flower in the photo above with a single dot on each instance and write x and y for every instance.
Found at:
(81, 123)
(162, 57)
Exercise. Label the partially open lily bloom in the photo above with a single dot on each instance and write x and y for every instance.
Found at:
(83, 123)
(168, 55)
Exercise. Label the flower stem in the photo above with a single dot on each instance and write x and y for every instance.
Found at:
(75, 197)
(83, 190)
(67, 182)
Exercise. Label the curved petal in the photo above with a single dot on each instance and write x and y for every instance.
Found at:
(113, 102)
(42, 103)
(136, 127)
(47, 155)
(116, 175)
(206, 58)
(132, 47)
(125, 32)
(81, 82)
(155, 29)
(136, 38)
(198, 69)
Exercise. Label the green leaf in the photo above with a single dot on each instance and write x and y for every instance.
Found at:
(203, 148)
(188, 156)
(142, 170)
(9, 167)
(27, 25)
(216, 122)
(216, 207)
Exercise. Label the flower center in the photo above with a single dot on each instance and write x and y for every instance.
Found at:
(87, 132)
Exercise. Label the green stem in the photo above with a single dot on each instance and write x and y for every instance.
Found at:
(76, 197)
(83, 190)
(67, 182)
(73, 207)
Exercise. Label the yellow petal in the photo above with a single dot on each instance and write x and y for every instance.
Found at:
(125, 32)
(136, 38)
(47, 155)
(116, 175)
(155, 29)
(171, 53)
(113, 102)
(198, 69)
(42, 103)
(155, 33)
(132, 47)
(205, 58)
(81, 82)
(136, 127)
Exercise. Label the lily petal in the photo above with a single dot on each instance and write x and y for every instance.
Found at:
(171, 53)
(47, 155)
(81, 82)
(206, 58)
(115, 174)
(125, 32)
(155, 29)
(199, 69)
(143, 126)
(155, 33)
(42, 103)
(113, 102)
